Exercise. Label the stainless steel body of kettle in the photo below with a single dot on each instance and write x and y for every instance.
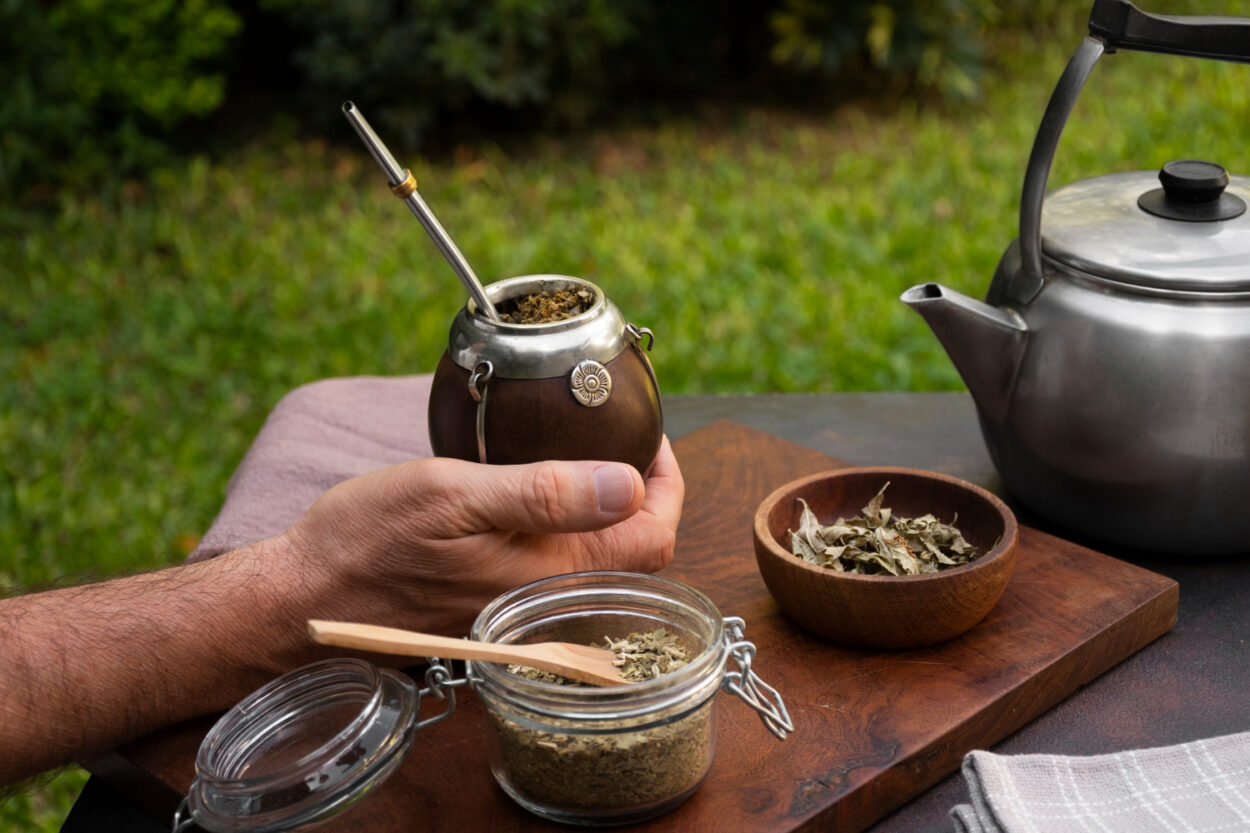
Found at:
(1110, 363)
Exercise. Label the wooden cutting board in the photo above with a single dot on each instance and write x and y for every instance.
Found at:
(872, 729)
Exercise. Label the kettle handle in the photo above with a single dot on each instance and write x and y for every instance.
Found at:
(1113, 24)
(1121, 25)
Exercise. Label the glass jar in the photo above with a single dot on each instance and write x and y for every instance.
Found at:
(614, 755)
(315, 741)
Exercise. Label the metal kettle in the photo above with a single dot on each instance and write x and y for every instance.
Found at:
(1110, 362)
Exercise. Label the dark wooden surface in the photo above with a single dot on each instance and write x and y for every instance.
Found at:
(1189, 684)
(872, 729)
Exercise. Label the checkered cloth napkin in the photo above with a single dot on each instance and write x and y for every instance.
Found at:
(1198, 787)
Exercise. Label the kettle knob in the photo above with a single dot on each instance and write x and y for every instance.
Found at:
(1193, 181)
(1192, 191)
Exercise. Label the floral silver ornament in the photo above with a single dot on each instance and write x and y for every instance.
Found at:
(591, 383)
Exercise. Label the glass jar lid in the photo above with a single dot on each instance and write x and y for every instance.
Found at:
(1118, 227)
(302, 748)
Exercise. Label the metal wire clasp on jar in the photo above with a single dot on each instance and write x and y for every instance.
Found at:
(616, 755)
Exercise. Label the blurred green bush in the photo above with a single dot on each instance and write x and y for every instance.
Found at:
(410, 63)
(98, 86)
(905, 45)
(568, 63)
(94, 86)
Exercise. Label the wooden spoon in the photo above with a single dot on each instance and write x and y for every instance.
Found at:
(583, 663)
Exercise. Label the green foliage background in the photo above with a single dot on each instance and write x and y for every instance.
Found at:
(148, 326)
(99, 87)
(92, 86)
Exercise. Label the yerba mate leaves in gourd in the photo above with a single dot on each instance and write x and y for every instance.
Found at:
(545, 307)
(877, 543)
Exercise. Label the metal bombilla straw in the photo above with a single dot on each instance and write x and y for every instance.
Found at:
(404, 186)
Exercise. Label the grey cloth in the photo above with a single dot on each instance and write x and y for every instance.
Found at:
(318, 435)
(1198, 787)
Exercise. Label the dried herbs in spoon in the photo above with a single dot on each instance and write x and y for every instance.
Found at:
(877, 543)
(640, 656)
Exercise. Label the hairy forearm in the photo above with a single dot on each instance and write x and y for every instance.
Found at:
(85, 668)
(421, 545)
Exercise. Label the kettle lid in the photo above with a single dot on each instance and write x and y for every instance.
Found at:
(1191, 235)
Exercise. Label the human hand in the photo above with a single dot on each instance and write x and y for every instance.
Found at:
(423, 545)
(426, 544)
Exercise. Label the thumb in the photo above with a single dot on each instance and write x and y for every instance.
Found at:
(549, 497)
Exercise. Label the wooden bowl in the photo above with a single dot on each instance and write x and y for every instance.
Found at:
(869, 611)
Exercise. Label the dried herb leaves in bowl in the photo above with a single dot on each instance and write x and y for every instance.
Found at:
(880, 542)
(886, 610)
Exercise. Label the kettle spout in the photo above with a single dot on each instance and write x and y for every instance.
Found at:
(985, 343)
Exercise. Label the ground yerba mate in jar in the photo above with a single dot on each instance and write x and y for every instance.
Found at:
(614, 755)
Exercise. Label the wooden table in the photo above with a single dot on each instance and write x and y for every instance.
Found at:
(1189, 684)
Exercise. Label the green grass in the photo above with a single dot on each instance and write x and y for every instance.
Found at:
(145, 335)
(43, 804)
